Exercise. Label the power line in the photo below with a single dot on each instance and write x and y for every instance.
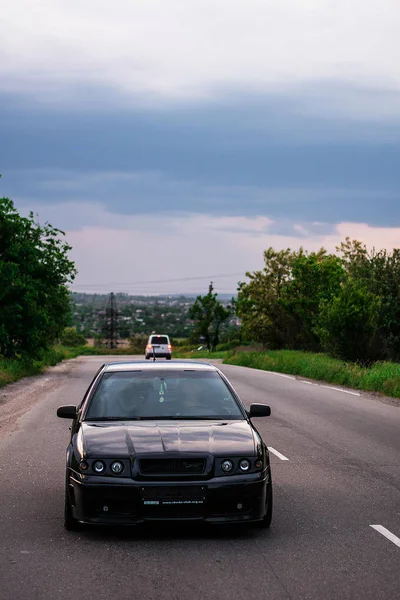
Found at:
(156, 292)
(150, 282)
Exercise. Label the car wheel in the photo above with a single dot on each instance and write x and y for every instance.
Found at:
(70, 524)
(266, 521)
(169, 357)
(147, 357)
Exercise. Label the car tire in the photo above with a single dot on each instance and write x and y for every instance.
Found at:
(70, 524)
(266, 521)
(147, 357)
(169, 357)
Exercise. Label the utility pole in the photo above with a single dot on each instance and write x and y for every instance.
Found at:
(111, 322)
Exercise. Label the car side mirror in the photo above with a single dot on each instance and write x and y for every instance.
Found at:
(259, 410)
(66, 412)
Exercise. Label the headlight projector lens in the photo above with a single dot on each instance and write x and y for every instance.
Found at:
(227, 466)
(117, 467)
(98, 467)
(244, 465)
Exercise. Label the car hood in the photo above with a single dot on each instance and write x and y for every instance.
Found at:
(145, 437)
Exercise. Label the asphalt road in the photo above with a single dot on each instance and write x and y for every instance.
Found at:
(336, 473)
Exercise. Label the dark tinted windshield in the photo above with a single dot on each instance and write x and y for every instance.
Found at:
(159, 339)
(162, 394)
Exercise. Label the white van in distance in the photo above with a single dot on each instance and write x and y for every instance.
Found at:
(159, 346)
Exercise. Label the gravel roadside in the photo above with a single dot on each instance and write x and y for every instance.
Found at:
(17, 398)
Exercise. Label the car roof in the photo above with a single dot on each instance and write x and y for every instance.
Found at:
(176, 365)
(158, 335)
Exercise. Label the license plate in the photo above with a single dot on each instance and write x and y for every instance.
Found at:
(178, 496)
(172, 502)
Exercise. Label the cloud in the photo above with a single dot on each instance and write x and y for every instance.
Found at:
(178, 50)
(181, 137)
(147, 193)
(201, 248)
(249, 159)
(153, 253)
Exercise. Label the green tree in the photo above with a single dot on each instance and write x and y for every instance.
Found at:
(315, 278)
(347, 323)
(348, 303)
(354, 255)
(264, 317)
(221, 315)
(209, 315)
(34, 273)
(379, 273)
(383, 280)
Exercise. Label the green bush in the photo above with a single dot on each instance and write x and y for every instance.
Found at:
(228, 346)
(71, 338)
(137, 343)
(12, 370)
(347, 324)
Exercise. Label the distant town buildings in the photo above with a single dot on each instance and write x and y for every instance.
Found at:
(138, 314)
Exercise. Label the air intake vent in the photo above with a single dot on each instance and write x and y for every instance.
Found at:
(172, 466)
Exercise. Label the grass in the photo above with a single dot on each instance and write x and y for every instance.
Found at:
(94, 351)
(12, 370)
(382, 377)
(198, 354)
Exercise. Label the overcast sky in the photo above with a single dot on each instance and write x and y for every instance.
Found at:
(174, 140)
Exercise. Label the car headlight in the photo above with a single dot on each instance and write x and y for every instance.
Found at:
(227, 466)
(117, 467)
(244, 464)
(98, 467)
(240, 466)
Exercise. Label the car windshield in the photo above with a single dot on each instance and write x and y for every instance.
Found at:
(162, 395)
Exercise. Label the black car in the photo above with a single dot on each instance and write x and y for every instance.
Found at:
(168, 441)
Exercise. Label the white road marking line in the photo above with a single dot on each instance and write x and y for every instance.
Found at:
(278, 454)
(385, 532)
(280, 374)
(329, 387)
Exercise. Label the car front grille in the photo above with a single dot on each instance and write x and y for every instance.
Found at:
(172, 466)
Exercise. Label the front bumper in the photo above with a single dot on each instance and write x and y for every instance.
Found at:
(132, 502)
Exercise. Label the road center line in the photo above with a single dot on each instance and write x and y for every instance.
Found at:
(278, 454)
(388, 534)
